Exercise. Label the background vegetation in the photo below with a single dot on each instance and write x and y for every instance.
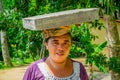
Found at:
(25, 46)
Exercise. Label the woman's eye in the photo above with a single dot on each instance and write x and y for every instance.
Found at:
(55, 43)
(66, 43)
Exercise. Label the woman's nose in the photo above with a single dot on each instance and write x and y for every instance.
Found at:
(61, 46)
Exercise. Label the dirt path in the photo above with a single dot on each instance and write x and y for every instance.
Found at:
(17, 73)
(13, 73)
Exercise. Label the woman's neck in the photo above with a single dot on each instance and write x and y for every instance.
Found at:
(57, 65)
(59, 69)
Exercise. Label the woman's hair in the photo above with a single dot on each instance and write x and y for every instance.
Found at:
(46, 39)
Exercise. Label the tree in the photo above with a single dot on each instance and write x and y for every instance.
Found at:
(113, 40)
(5, 52)
(109, 16)
(110, 10)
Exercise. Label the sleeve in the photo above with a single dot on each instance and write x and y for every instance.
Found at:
(29, 74)
(83, 73)
(33, 72)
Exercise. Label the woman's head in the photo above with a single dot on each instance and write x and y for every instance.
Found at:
(46, 39)
(58, 46)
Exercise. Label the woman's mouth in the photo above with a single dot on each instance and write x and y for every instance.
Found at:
(60, 54)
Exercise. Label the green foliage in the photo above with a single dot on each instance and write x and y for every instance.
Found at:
(97, 25)
(35, 43)
(83, 46)
(98, 60)
(82, 38)
(100, 47)
(108, 6)
(9, 18)
(1, 65)
(76, 52)
(114, 64)
(25, 44)
(18, 61)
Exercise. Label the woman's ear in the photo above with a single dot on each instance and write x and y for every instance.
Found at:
(46, 44)
(46, 47)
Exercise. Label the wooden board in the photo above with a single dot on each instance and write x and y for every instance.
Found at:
(62, 18)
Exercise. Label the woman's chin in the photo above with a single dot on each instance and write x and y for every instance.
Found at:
(60, 60)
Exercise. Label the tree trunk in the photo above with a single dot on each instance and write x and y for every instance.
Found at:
(5, 52)
(43, 48)
(42, 52)
(113, 41)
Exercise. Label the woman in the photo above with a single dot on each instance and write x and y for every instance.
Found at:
(56, 66)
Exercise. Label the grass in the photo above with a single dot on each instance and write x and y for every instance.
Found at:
(16, 62)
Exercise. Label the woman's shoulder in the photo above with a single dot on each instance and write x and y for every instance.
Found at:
(35, 63)
(33, 72)
(83, 73)
(77, 62)
(81, 66)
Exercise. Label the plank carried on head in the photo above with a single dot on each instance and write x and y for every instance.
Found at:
(62, 18)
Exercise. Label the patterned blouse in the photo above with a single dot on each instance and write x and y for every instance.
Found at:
(38, 71)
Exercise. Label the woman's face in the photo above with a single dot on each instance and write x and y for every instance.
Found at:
(59, 47)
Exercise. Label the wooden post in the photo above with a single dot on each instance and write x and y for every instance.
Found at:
(54, 20)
